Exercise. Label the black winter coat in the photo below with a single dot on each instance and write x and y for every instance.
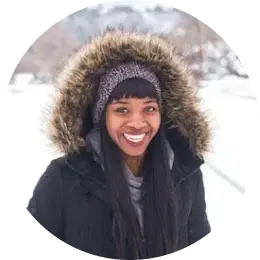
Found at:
(70, 199)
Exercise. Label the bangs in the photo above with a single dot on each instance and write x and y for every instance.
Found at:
(134, 88)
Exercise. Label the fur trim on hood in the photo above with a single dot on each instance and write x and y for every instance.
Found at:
(78, 82)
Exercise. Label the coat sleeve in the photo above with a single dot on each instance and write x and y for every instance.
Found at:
(198, 224)
(46, 202)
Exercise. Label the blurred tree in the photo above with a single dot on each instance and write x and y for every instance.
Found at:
(48, 50)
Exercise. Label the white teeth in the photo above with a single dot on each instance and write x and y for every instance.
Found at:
(134, 138)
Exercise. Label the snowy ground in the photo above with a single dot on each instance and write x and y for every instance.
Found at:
(233, 162)
(226, 173)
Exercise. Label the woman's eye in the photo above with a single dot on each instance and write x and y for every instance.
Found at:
(150, 109)
(121, 110)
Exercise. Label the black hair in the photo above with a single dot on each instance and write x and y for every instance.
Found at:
(134, 88)
(158, 198)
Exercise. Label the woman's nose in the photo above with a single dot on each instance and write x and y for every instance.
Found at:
(136, 121)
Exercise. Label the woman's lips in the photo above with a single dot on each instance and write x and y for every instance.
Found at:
(135, 140)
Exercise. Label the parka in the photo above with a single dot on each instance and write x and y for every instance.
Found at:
(70, 199)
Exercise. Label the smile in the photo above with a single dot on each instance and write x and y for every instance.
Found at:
(134, 138)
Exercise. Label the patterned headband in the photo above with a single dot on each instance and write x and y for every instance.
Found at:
(114, 76)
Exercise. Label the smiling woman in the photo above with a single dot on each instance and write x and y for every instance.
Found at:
(128, 121)
(133, 118)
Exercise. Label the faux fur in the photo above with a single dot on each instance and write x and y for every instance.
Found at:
(78, 82)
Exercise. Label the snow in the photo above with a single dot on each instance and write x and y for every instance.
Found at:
(235, 151)
(231, 103)
(236, 134)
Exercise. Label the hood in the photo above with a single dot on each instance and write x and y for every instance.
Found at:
(70, 114)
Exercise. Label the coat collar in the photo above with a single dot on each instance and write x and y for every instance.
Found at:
(185, 160)
(90, 171)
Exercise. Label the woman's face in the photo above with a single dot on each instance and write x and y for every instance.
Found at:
(132, 123)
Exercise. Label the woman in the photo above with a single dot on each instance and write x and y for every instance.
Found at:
(129, 185)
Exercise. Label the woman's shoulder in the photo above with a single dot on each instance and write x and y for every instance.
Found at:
(68, 166)
(57, 171)
(61, 167)
(52, 174)
(56, 178)
(56, 166)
